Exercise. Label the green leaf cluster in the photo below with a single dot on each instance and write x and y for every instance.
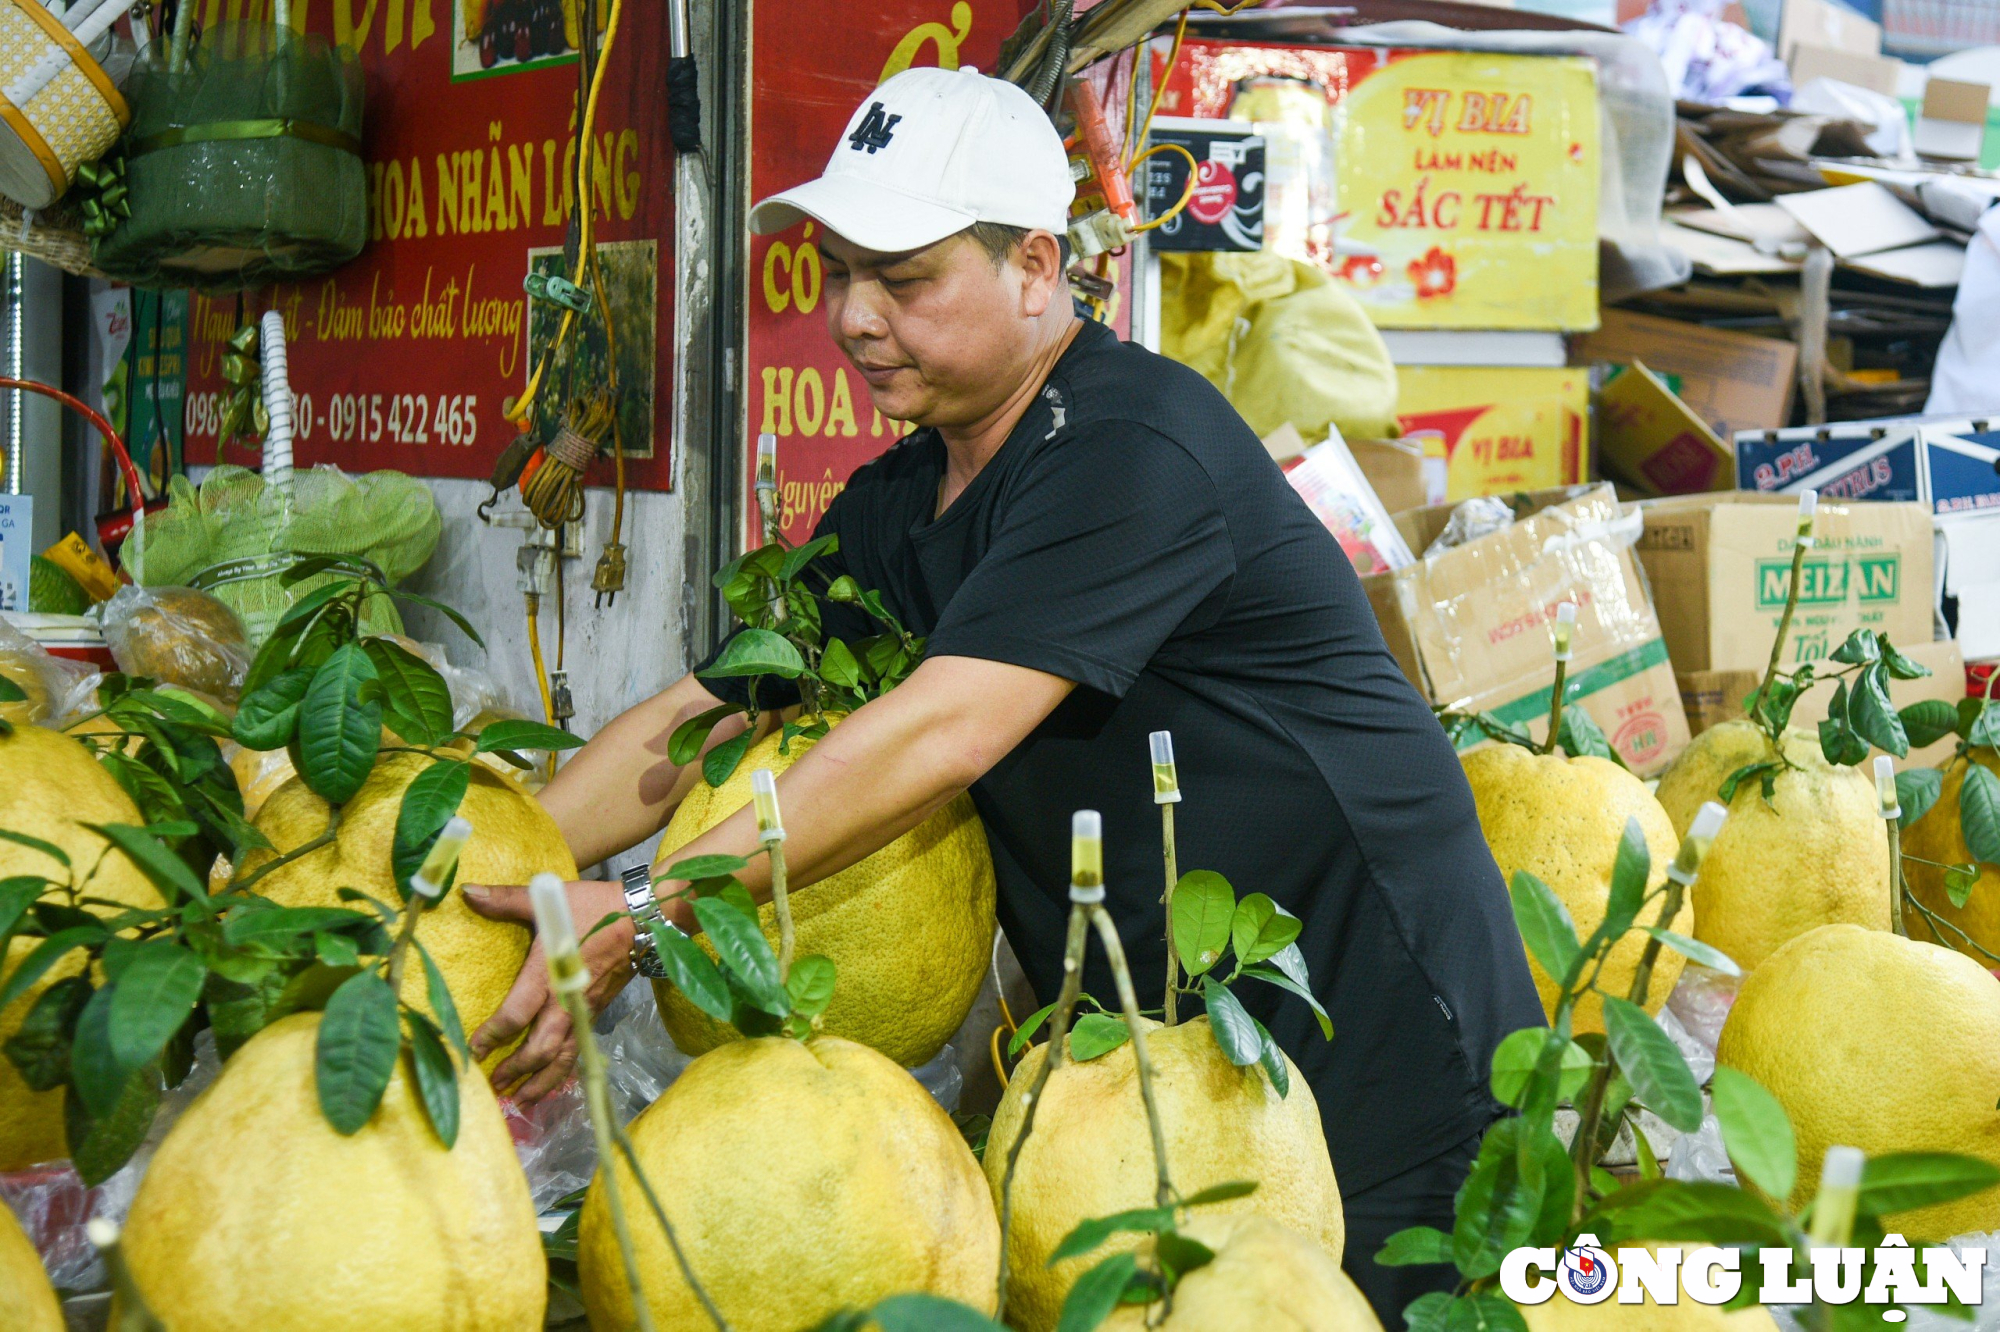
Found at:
(780, 594)
(1122, 1279)
(1577, 734)
(741, 984)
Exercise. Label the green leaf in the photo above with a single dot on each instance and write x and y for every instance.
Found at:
(1959, 881)
(96, 1075)
(1235, 1031)
(1028, 1028)
(1899, 665)
(1089, 1235)
(1900, 1181)
(416, 702)
(691, 971)
(359, 1039)
(1178, 1255)
(1873, 715)
(684, 746)
(17, 892)
(167, 871)
(1979, 722)
(1429, 1312)
(239, 1008)
(49, 849)
(1748, 772)
(1916, 791)
(1580, 736)
(45, 955)
(39, 1048)
(442, 1004)
(1484, 1311)
(464, 625)
(155, 992)
(696, 868)
(437, 1080)
(1694, 950)
(843, 588)
(1260, 928)
(11, 692)
(721, 761)
(838, 666)
(268, 718)
(1661, 1210)
(1204, 906)
(1928, 721)
(1272, 976)
(1648, 1057)
(1096, 1034)
(1631, 867)
(756, 652)
(100, 1145)
(1858, 648)
(340, 727)
(1227, 1191)
(1096, 1293)
(810, 985)
(1516, 1058)
(917, 1312)
(429, 802)
(797, 560)
(1501, 1199)
(745, 952)
(1756, 1131)
(1545, 925)
(1419, 1246)
(1979, 813)
(1273, 1060)
(516, 733)
(279, 926)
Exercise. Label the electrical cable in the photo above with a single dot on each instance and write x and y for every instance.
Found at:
(534, 606)
(1194, 170)
(1153, 102)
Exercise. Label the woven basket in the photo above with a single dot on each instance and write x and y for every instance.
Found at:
(65, 119)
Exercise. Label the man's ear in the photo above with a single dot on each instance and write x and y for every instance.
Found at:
(1042, 279)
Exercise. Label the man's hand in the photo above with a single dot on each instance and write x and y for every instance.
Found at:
(544, 1059)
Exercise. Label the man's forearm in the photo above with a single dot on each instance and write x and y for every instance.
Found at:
(887, 768)
(621, 788)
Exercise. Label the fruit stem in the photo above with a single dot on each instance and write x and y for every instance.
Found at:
(1079, 927)
(771, 832)
(1171, 1012)
(1564, 632)
(660, 1215)
(1802, 542)
(134, 1314)
(243, 882)
(1892, 815)
(1107, 932)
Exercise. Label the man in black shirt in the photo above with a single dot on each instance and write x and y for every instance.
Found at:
(1097, 547)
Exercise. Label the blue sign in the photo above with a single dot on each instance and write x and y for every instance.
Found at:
(1866, 462)
(1962, 470)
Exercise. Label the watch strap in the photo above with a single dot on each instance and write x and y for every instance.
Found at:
(645, 911)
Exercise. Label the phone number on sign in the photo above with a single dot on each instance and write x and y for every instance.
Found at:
(367, 418)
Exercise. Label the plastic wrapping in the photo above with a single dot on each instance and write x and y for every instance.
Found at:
(1700, 1003)
(180, 636)
(244, 167)
(47, 680)
(1472, 520)
(235, 537)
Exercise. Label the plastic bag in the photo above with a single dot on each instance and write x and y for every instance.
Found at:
(1472, 520)
(1700, 1004)
(178, 635)
(47, 680)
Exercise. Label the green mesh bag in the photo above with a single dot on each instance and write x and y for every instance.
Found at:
(244, 167)
(235, 538)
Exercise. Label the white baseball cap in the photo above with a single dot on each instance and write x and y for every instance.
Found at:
(928, 154)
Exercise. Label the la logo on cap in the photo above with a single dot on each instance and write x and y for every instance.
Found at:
(874, 131)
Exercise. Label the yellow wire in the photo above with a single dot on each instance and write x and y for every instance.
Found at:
(1194, 169)
(584, 143)
(534, 605)
(1153, 104)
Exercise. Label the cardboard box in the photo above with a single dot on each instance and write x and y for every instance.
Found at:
(17, 536)
(1469, 624)
(1826, 23)
(1720, 567)
(1854, 460)
(1952, 124)
(1652, 441)
(1878, 74)
(1395, 468)
(1712, 697)
(1496, 429)
(1732, 380)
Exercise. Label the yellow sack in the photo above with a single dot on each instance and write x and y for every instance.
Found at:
(1281, 342)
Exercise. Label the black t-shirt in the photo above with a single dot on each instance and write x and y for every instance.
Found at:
(1132, 535)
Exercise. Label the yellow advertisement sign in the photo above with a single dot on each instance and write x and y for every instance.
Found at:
(1496, 430)
(1446, 189)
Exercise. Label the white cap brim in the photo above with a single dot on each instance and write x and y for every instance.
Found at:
(866, 213)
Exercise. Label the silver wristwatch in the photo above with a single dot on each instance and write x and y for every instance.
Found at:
(645, 911)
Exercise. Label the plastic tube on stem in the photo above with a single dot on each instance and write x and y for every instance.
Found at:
(1086, 856)
(1808, 506)
(764, 796)
(1839, 1191)
(1707, 826)
(556, 929)
(1565, 629)
(1885, 787)
(1166, 780)
(442, 860)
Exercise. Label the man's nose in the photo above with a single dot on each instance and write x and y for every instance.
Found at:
(860, 314)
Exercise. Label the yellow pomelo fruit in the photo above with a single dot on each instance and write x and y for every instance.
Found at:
(1561, 820)
(800, 1178)
(1874, 1041)
(1938, 836)
(187, 637)
(256, 1216)
(909, 929)
(1090, 1153)
(1815, 854)
(25, 1292)
(1559, 1313)
(50, 787)
(1264, 1277)
(513, 839)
